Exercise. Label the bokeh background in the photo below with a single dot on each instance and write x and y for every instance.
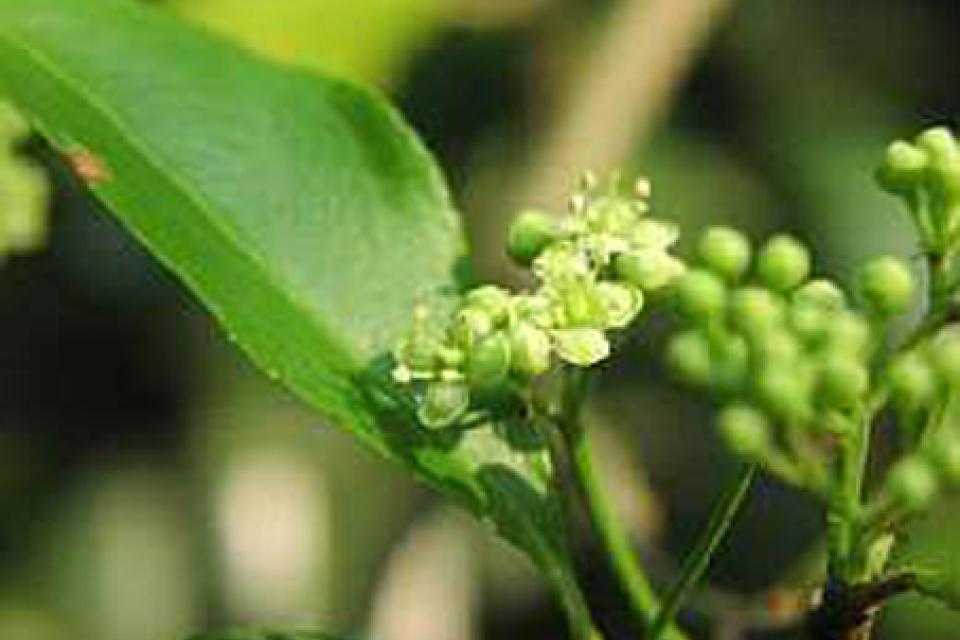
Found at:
(152, 483)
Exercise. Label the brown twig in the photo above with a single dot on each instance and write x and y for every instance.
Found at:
(849, 612)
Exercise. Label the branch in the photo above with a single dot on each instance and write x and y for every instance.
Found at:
(848, 613)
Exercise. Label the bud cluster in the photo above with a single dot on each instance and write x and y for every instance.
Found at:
(593, 270)
(23, 188)
(777, 346)
(925, 173)
(921, 383)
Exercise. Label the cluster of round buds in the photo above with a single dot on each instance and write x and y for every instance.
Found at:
(926, 174)
(916, 480)
(922, 379)
(23, 188)
(922, 383)
(592, 267)
(775, 345)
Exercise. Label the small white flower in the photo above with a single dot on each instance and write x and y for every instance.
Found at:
(621, 302)
(654, 234)
(581, 346)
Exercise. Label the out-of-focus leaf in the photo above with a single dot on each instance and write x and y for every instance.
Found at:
(368, 40)
(929, 548)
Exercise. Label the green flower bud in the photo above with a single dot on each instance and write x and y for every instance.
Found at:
(730, 363)
(783, 263)
(939, 144)
(725, 251)
(944, 161)
(688, 357)
(913, 384)
(745, 430)
(945, 356)
(944, 455)
(444, 402)
(843, 382)
(849, 334)
(887, 286)
(775, 345)
(581, 346)
(785, 391)
(754, 310)
(492, 300)
(648, 269)
(530, 348)
(810, 322)
(912, 484)
(529, 235)
(24, 196)
(948, 176)
(821, 293)
(489, 361)
(903, 168)
(700, 296)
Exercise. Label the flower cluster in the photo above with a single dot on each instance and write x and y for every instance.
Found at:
(23, 189)
(593, 269)
(779, 347)
(926, 174)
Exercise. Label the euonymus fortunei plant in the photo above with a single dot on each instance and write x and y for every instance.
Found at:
(317, 229)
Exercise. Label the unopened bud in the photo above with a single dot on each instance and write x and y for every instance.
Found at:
(725, 251)
(887, 286)
(744, 429)
(489, 361)
(783, 263)
(529, 235)
(701, 295)
(912, 484)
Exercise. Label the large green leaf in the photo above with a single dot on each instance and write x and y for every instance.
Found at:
(300, 210)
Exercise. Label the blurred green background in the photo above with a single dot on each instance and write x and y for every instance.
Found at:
(152, 484)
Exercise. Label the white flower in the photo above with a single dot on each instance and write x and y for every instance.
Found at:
(621, 302)
(581, 346)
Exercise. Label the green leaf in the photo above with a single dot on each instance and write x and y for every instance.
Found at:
(300, 210)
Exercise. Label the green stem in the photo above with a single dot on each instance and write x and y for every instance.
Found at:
(613, 537)
(941, 286)
(941, 282)
(575, 609)
(699, 559)
(567, 590)
(845, 509)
